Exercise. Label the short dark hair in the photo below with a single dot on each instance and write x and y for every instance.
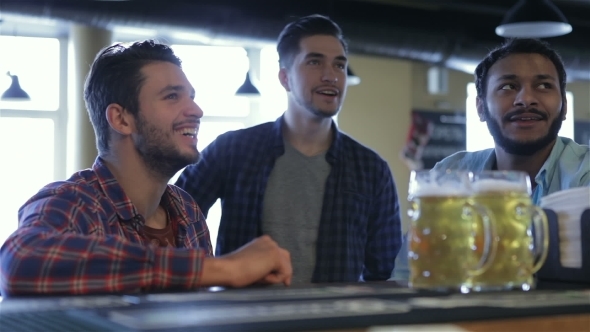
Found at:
(312, 25)
(115, 77)
(518, 46)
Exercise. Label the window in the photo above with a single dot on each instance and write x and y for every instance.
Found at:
(567, 127)
(216, 72)
(478, 135)
(36, 63)
(32, 165)
(32, 133)
(274, 98)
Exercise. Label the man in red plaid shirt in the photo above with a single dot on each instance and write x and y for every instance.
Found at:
(119, 227)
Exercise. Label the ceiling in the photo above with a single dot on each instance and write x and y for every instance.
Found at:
(456, 34)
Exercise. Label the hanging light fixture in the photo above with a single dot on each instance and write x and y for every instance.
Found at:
(15, 92)
(351, 78)
(533, 19)
(247, 88)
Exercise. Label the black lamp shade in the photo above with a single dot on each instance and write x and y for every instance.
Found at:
(533, 19)
(15, 92)
(247, 88)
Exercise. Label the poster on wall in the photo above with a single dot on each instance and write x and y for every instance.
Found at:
(433, 135)
(582, 132)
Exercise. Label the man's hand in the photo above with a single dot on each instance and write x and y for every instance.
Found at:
(259, 261)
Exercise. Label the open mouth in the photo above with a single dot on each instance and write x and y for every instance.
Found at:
(189, 132)
(328, 92)
(526, 117)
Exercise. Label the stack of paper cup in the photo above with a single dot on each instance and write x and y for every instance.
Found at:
(569, 205)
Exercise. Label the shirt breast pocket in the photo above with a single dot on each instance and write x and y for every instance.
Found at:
(357, 209)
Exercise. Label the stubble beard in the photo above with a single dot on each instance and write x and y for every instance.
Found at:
(520, 148)
(316, 111)
(157, 151)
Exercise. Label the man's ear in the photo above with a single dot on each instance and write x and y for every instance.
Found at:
(284, 79)
(479, 104)
(120, 120)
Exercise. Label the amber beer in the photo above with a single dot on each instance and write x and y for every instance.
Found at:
(441, 238)
(507, 197)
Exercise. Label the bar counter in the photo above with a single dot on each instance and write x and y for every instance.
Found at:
(367, 307)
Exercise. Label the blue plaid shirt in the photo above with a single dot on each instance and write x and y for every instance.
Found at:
(359, 234)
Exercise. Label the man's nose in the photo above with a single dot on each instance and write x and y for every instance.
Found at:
(194, 110)
(525, 97)
(329, 75)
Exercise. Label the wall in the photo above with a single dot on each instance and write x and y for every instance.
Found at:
(581, 92)
(85, 43)
(454, 100)
(377, 112)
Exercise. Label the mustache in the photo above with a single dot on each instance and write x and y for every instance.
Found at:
(189, 121)
(508, 115)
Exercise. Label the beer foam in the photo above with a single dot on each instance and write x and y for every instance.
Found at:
(438, 190)
(492, 185)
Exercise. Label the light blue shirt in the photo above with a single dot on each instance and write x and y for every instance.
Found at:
(568, 166)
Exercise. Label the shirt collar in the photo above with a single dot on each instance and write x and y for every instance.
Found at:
(333, 153)
(546, 171)
(490, 161)
(548, 168)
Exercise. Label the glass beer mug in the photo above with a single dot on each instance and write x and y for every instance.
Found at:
(441, 239)
(507, 195)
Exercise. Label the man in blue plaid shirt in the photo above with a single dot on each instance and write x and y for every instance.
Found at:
(327, 199)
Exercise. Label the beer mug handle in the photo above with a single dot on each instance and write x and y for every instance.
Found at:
(541, 235)
(490, 234)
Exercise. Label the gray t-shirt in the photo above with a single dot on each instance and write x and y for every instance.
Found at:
(292, 207)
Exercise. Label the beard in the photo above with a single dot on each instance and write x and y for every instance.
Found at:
(156, 149)
(321, 113)
(522, 148)
(318, 112)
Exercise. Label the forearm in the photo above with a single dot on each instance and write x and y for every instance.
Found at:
(38, 263)
(216, 272)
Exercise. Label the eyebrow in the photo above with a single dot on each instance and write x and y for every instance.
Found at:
(545, 77)
(320, 55)
(508, 77)
(174, 88)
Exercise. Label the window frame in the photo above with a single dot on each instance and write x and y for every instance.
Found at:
(59, 116)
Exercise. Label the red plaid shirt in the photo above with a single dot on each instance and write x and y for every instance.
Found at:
(84, 236)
